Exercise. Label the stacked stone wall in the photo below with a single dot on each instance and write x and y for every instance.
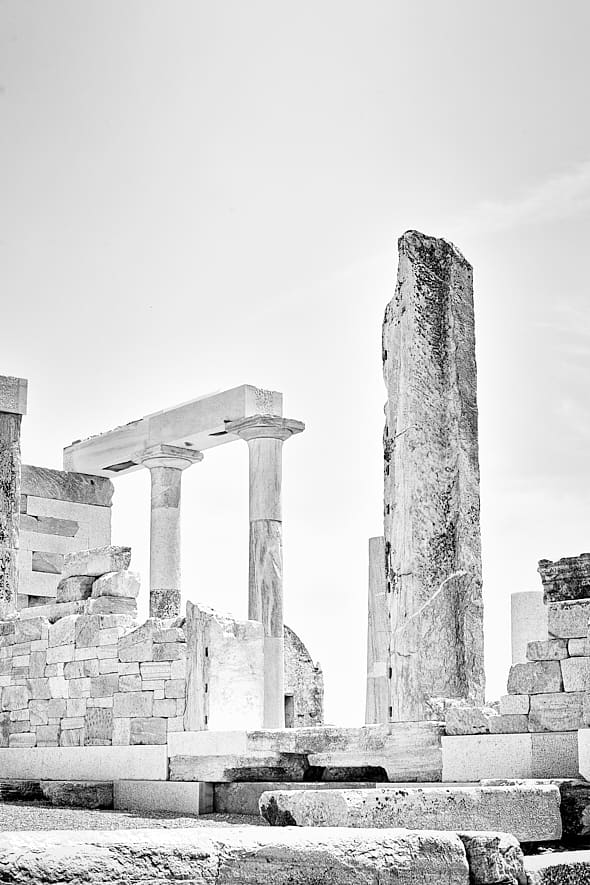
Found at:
(304, 681)
(60, 513)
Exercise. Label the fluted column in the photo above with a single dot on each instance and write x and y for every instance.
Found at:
(13, 405)
(165, 464)
(265, 435)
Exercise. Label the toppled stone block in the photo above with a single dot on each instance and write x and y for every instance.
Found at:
(565, 579)
(469, 720)
(576, 674)
(53, 612)
(568, 620)
(124, 584)
(78, 587)
(97, 562)
(111, 605)
(224, 769)
(547, 650)
(538, 677)
(78, 794)
(494, 858)
(531, 813)
(559, 711)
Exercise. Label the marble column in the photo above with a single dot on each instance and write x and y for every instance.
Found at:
(13, 405)
(265, 435)
(165, 464)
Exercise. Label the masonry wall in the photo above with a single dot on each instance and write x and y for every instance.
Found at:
(304, 681)
(61, 512)
(90, 680)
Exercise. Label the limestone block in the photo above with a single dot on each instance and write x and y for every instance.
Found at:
(576, 674)
(80, 669)
(16, 697)
(512, 724)
(51, 563)
(58, 687)
(106, 652)
(135, 651)
(97, 562)
(13, 395)
(122, 584)
(86, 763)
(568, 578)
(169, 634)
(555, 755)
(561, 711)
(39, 713)
(121, 732)
(20, 715)
(38, 584)
(165, 707)
(152, 670)
(578, 648)
(183, 798)
(52, 612)
(176, 723)
(254, 767)
(80, 688)
(100, 702)
(63, 632)
(39, 688)
(539, 677)
(30, 630)
(49, 525)
(66, 486)
(127, 669)
(111, 605)
(78, 587)
(37, 663)
(148, 731)
(75, 707)
(129, 683)
(56, 708)
(178, 669)
(78, 794)
(26, 739)
(110, 636)
(71, 737)
(568, 620)
(109, 665)
(86, 654)
(61, 654)
(175, 688)
(134, 704)
(464, 719)
(547, 650)
(98, 726)
(494, 858)
(168, 651)
(469, 758)
(47, 734)
(104, 686)
(530, 812)
(247, 856)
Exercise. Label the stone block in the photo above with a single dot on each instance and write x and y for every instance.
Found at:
(136, 651)
(148, 731)
(153, 796)
(107, 652)
(13, 395)
(109, 637)
(63, 632)
(471, 758)
(47, 734)
(39, 689)
(56, 708)
(100, 702)
(80, 688)
(86, 653)
(175, 688)
(121, 732)
(52, 612)
(67, 486)
(16, 697)
(49, 563)
(71, 737)
(78, 794)
(97, 562)
(98, 726)
(515, 704)
(81, 669)
(465, 719)
(530, 812)
(39, 713)
(78, 587)
(511, 724)
(169, 634)
(165, 707)
(254, 767)
(566, 579)
(49, 525)
(118, 584)
(37, 664)
(539, 677)
(555, 755)
(152, 671)
(75, 707)
(85, 763)
(568, 620)
(494, 858)
(104, 686)
(176, 723)
(26, 739)
(129, 683)
(578, 648)
(111, 605)
(561, 711)
(243, 798)
(58, 686)
(134, 704)
(109, 665)
(30, 630)
(547, 650)
(60, 654)
(168, 651)
(576, 674)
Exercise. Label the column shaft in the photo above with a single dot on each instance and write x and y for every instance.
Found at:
(10, 475)
(165, 542)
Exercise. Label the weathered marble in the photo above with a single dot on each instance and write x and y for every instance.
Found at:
(547, 650)
(565, 579)
(235, 769)
(10, 485)
(494, 858)
(304, 685)
(469, 719)
(121, 584)
(568, 620)
(536, 677)
(78, 587)
(378, 633)
(559, 711)
(97, 562)
(432, 532)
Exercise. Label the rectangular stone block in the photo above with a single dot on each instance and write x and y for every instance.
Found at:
(53, 612)
(49, 525)
(121, 732)
(86, 653)
(561, 711)
(578, 648)
(78, 587)
(60, 654)
(183, 798)
(13, 395)
(511, 724)
(117, 584)
(109, 665)
(175, 688)
(98, 724)
(39, 688)
(129, 683)
(555, 755)
(153, 671)
(568, 578)
(85, 763)
(37, 664)
(471, 758)
(568, 620)
(56, 708)
(67, 486)
(224, 769)
(81, 669)
(539, 677)
(39, 713)
(548, 650)
(111, 605)
(165, 707)
(104, 686)
(80, 688)
(58, 686)
(97, 562)
(148, 731)
(576, 674)
(76, 722)
(75, 708)
(71, 737)
(16, 697)
(31, 630)
(51, 563)
(168, 651)
(48, 734)
(26, 739)
(133, 704)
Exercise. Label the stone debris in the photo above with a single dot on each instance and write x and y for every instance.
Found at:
(530, 812)
(494, 858)
(78, 794)
(97, 562)
(566, 579)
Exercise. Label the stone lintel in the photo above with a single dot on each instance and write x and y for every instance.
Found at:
(265, 426)
(168, 456)
(63, 485)
(13, 395)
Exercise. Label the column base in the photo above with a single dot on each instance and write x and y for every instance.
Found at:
(164, 603)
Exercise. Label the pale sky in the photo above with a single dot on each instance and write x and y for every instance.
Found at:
(199, 195)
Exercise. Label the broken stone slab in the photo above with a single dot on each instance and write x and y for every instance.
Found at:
(78, 794)
(121, 584)
(547, 650)
(53, 612)
(97, 562)
(568, 620)
(535, 677)
(530, 813)
(560, 711)
(494, 858)
(469, 720)
(76, 588)
(243, 797)
(65, 485)
(111, 605)
(565, 579)
(228, 769)
(245, 855)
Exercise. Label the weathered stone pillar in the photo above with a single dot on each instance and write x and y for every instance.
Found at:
(165, 464)
(13, 405)
(265, 435)
(432, 532)
(378, 633)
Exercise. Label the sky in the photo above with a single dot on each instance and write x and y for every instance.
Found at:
(200, 195)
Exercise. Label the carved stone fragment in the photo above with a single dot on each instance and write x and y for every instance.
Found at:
(568, 578)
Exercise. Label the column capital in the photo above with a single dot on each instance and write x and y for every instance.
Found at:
(265, 426)
(167, 456)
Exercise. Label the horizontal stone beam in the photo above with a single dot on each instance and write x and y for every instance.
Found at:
(61, 485)
(214, 856)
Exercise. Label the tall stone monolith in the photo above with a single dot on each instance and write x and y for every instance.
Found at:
(431, 505)
(13, 404)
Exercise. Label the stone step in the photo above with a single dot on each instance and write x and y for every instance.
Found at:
(530, 812)
(78, 794)
(532, 755)
(184, 798)
(20, 791)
